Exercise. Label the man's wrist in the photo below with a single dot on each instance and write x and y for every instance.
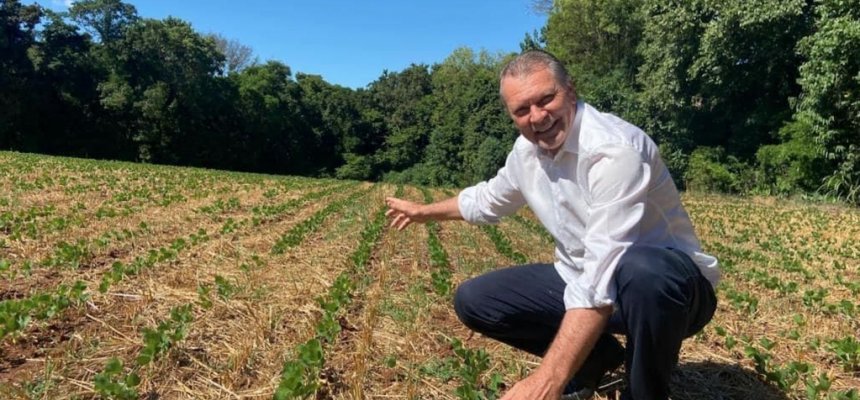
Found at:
(422, 212)
(576, 337)
(553, 376)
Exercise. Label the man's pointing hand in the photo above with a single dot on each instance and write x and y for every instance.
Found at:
(404, 212)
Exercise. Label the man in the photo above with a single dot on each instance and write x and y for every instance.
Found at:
(628, 261)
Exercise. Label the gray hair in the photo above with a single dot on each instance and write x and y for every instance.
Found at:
(532, 60)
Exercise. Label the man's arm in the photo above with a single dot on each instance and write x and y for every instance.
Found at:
(406, 212)
(484, 203)
(579, 331)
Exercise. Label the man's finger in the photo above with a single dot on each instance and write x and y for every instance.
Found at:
(404, 224)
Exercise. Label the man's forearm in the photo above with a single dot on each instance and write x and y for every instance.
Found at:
(579, 331)
(447, 209)
(405, 212)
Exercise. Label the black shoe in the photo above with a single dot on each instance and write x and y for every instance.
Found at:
(581, 394)
(607, 355)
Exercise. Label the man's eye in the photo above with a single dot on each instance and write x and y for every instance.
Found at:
(521, 111)
(546, 99)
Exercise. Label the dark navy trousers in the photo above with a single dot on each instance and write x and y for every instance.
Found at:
(662, 298)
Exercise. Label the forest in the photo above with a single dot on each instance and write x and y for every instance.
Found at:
(744, 97)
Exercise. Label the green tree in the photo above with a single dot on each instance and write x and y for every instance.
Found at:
(162, 88)
(277, 135)
(467, 112)
(402, 99)
(708, 172)
(795, 164)
(534, 41)
(104, 19)
(830, 104)
(597, 40)
(717, 73)
(66, 77)
(336, 119)
(17, 35)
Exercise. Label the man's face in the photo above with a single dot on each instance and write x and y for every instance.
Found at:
(541, 108)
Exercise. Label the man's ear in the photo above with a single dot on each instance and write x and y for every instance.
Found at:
(571, 90)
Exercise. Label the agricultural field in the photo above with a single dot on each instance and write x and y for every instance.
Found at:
(126, 281)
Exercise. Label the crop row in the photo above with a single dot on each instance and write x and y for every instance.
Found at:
(120, 270)
(816, 237)
(802, 260)
(412, 300)
(125, 193)
(264, 213)
(441, 268)
(24, 310)
(157, 341)
(299, 376)
(72, 255)
(786, 375)
(115, 383)
(119, 180)
(470, 365)
(502, 244)
(298, 232)
(15, 314)
(534, 227)
(811, 296)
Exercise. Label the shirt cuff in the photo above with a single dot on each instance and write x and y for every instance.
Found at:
(467, 201)
(577, 296)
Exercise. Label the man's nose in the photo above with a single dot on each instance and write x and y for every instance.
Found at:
(537, 115)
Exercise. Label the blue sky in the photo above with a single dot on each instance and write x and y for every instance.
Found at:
(350, 43)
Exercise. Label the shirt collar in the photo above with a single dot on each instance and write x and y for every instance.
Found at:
(571, 143)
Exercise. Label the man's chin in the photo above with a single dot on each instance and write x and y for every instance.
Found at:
(549, 146)
(549, 143)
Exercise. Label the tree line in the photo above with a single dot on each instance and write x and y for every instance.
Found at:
(743, 96)
(756, 96)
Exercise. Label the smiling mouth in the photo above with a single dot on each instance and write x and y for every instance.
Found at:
(547, 131)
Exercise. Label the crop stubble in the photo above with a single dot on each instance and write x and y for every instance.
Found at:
(789, 289)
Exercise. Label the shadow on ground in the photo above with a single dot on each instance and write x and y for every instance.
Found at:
(713, 381)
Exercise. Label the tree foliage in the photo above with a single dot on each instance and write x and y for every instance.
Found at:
(161, 82)
(830, 103)
(773, 83)
(104, 19)
(597, 40)
(758, 95)
(18, 34)
(717, 73)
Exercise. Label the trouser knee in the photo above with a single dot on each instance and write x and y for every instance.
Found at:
(467, 299)
(652, 276)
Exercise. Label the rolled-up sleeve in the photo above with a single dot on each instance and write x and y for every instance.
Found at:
(617, 187)
(487, 202)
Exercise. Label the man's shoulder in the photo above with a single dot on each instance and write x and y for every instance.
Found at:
(600, 129)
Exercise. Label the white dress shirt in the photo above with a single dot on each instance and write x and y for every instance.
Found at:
(605, 190)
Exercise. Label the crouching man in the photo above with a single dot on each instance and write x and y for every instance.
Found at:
(627, 259)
